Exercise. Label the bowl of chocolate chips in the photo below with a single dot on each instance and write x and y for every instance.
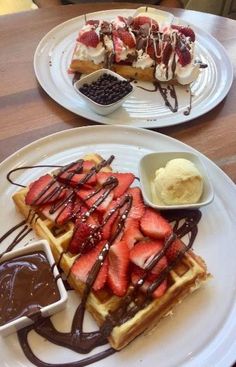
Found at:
(103, 90)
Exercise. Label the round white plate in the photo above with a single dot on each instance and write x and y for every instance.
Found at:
(143, 109)
(201, 332)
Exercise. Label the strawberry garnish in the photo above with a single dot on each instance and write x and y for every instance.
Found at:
(186, 31)
(151, 50)
(118, 268)
(88, 165)
(166, 54)
(44, 190)
(138, 208)
(127, 38)
(75, 179)
(132, 232)
(154, 225)
(124, 181)
(84, 238)
(143, 253)
(109, 220)
(89, 38)
(141, 20)
(138, 273)
(91, 198)
(183, 53)
(61, 216)
(175, 248)
(93, 22)
(84, 264)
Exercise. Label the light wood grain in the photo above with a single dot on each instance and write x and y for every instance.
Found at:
(28, 113)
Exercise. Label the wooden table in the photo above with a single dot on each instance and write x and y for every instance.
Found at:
(28, 113)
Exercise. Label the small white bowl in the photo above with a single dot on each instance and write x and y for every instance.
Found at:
(153, 161)
(97, 107)
(21, 322)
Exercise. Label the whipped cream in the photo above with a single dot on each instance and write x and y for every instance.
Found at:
(94, 54)
(143, 60)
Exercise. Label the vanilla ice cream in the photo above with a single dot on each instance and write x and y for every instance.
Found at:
(179, 182)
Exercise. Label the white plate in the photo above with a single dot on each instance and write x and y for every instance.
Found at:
(143, 109)
(201, 332)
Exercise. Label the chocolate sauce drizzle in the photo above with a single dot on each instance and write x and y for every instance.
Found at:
(185, 222)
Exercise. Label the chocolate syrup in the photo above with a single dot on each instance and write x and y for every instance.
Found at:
(185, 222)
(28, 285)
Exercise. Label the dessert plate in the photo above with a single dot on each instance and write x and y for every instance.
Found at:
(144, 108)
(201, 331)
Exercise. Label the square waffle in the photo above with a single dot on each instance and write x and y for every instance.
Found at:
(183, 278)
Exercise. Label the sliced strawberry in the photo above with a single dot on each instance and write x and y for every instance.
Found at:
(75, 167)
(138, 273)
(89, 199)
(138, 207)
(183, 53)
(61, 216)
(154, 225)
(84, 264)
(127, 38)
(88, 165)
(44, 190)
(151, 50)
(143, 253)
(166, 54)
(132, 232)
(125, 180)
(175, 248)
(89, 38)
(84, 238)
(107, 227)
(186, 31)
(95, 23)
(141, 20)
(118, 268)
(74, 179)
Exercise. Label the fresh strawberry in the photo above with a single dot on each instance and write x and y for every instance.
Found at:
(151, 50)
(125, 180)
(95, 23)
(127, 37)
(183, 53)
(154, 225)
(84, 264)
(166, 54)
(138, 208)
(118, 45)
(89, 199)
(141, 20)
(107, 227)
(44, 190)
(74, 179)
(88, 165)
(84, 238)
(75, 167)
(131, 232)
(186, 31)
(62, 215)
(175, 248)
(138, 273)
(143, 253)
(118, 268)
(89, 38)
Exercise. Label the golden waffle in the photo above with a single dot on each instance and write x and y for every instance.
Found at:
(182, 279)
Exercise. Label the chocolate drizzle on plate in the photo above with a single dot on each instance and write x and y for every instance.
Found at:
(184, 222)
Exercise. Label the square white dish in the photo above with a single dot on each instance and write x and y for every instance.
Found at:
(97, 107)
(153, 161)
(23, 321)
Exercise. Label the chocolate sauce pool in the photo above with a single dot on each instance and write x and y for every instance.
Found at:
(28, 285)
(184, 222)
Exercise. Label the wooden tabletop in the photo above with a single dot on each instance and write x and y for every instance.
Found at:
(28, 113)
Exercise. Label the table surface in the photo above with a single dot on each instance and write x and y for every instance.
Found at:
(28, 113)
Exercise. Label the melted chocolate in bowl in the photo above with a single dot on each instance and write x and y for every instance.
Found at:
(185, 222)
(27, 284)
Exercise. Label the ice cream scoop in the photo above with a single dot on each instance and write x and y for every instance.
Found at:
(179, 182)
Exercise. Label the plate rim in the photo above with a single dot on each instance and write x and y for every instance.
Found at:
(143, 123)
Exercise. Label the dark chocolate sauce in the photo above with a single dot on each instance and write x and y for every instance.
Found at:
(28, 285)
(185, 222)
(189, 108)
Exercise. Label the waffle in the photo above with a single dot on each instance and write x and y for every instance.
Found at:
(184, 278)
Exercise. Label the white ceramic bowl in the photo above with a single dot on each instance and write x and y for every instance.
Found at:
(153, 161)
(46, 311)
(96, 107)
